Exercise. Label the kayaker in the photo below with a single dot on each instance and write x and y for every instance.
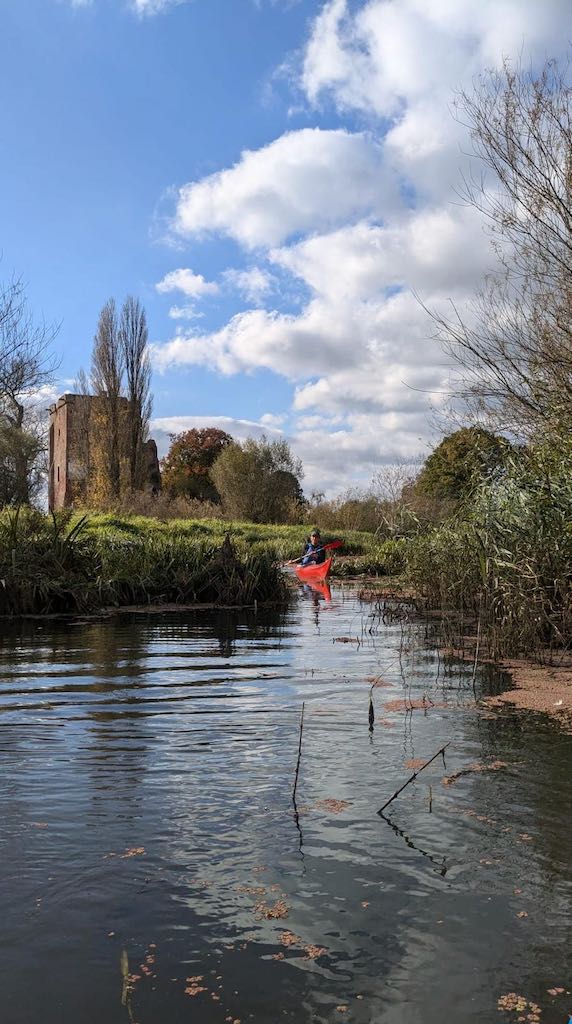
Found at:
(314, 553)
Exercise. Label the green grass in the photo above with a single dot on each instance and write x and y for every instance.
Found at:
(282, 542)
(71, 564)
(361, 554)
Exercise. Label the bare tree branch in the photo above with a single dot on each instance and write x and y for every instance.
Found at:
(133, 337)
(26, 365)
(514, 346)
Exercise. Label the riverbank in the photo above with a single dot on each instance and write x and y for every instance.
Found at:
(73, 564)
(544, 688)
(64, 566)
(542, 685)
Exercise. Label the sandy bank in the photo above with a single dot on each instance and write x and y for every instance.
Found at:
(544, 688)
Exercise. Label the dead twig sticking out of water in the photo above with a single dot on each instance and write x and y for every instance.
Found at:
(494, 766)
(414, 776)
(299, 755)
(296, 814)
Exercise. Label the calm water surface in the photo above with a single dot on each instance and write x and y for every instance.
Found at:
(148, 834)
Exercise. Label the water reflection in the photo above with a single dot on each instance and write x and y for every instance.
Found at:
(147, 807)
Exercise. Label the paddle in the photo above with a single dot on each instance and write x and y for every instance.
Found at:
(323, 547)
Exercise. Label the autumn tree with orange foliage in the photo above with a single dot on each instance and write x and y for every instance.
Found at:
(186, 467)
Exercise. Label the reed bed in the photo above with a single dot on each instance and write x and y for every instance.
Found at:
(65, 564)
(505, 559)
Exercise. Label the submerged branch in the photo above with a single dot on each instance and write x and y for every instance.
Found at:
(414, 776)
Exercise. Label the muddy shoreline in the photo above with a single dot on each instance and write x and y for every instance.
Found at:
(542, 685)
(544, 688)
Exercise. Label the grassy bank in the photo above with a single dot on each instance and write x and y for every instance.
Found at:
(79, 563)
(362, 553)
(74, 564)
(502, 561)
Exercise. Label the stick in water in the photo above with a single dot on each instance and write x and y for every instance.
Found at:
(299, 753)
(413, 777)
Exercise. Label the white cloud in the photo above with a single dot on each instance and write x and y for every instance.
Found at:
(253, 284)
(404, 60)
(271, 419)
(362, 221)
(184, 280)
(363, 260)
(304, 181)
(388, 54)
(185, 313)
(295, 346)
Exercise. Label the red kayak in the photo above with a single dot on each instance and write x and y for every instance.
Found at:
(314, 573)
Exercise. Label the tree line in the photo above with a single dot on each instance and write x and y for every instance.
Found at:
(258, 479)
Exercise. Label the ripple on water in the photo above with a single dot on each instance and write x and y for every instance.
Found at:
(147, 818)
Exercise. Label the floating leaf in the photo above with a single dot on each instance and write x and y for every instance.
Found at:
(313, 952)
(278, 910)
(334, 806)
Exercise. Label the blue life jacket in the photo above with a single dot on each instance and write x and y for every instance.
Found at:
(314, 554)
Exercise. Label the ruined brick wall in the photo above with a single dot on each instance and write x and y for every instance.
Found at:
(73, 419)
(58, 458)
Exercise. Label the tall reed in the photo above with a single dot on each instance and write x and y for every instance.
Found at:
(57, 564)
(506, 557)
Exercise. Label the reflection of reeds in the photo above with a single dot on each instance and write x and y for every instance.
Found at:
(124, 965)
(127, 984)
(296, 814)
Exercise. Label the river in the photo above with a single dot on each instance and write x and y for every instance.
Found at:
(157, 870)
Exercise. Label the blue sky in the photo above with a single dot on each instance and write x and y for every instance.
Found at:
(167, 149)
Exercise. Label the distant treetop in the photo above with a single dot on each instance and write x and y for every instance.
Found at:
(459, 460)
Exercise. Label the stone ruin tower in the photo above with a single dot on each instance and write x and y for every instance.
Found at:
(71, 426)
